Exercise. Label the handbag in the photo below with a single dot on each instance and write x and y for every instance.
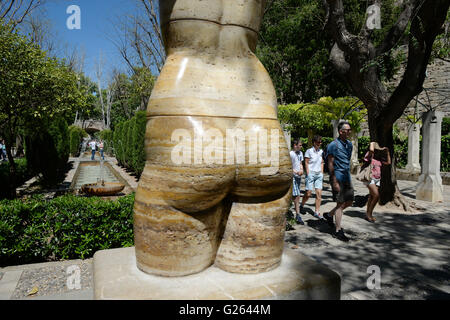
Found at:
(365, 173)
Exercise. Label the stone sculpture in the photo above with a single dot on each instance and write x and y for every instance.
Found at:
(216, 184)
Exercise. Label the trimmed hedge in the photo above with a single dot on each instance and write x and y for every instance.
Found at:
(47, 151)
(107, 137)
(129, 139)
(67, 227)
(76, 135)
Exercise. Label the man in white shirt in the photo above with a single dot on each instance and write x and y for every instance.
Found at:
(92, 144)
(314, 174)
(297, 167)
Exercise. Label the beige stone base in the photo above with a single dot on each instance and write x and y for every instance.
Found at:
(116, 277)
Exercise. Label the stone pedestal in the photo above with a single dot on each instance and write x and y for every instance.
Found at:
(413, 165)
(116, 277)
(429, 187)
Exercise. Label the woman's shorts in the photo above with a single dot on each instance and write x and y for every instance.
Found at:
(314, 180)
(374, 181)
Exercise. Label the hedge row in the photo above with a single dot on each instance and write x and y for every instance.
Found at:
(67, 227)
(47, 151)
(128, 141)
(76, 135)
(107, 137)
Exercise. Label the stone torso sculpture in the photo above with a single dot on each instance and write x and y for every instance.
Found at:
(216, 185)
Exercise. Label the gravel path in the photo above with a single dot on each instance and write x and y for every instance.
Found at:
(52, 279)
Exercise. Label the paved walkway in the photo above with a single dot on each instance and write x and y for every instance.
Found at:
(411, 251)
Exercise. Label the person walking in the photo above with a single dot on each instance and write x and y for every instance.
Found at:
(297, 167)
(338, 158)
(376, 157)
(93, 145)
(100, 147)
(314, 175)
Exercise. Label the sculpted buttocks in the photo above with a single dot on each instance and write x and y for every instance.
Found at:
(215, 187)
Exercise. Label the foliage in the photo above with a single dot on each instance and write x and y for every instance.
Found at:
(76, 135)
(35, 90)
(305, 118)
(363, 147)
(67, 227)
(348, 108)
(138, 154)
(47, 151)
(107, 137)
(117, 143)
(22, 175)
(445, 129)
(441, 46)
(445, 153)
(128, 139)
(130, 94)
(294, 49)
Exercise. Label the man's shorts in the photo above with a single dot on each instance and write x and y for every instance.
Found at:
(314, 180)
(346, 192)
(296, 181)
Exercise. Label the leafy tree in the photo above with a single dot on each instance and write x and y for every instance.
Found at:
(359, 56)
(295, 49)
(347, 108)
(305, 118)
(34, 88)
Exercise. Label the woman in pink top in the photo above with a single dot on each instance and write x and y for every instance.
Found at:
(376, 159)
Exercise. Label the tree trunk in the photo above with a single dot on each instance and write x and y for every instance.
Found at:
(19, 150)
(381, 131)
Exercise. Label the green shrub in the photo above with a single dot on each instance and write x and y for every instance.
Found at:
(139, 142)
(445, 153)
(129, 143)
(117, 142)
(67, 227)
(47, 151)
(107, 137)
(445, 126)
(363, 146)
(22, 175)
(76, 135)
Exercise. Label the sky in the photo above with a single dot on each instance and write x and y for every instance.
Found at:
(97, 23)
